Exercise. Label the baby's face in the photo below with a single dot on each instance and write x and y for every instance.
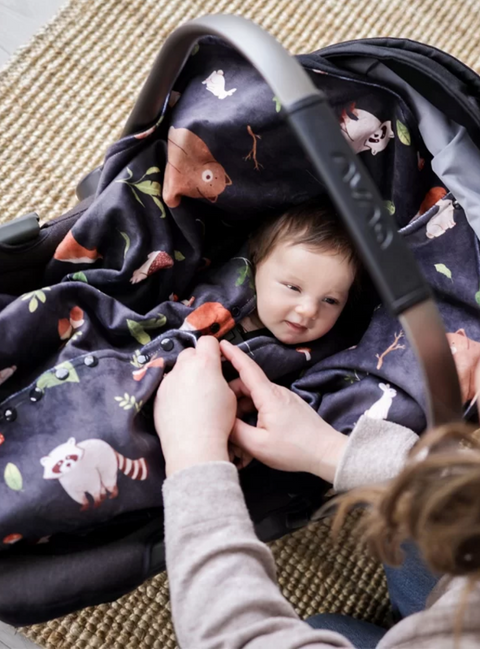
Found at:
(301, 292)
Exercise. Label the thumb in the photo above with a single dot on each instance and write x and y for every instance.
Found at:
(249, 438)
(253, 380)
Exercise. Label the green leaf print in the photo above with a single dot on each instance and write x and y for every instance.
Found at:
(441, 268)
(244, 274)
(403, 133)
(127, 243)
(477, 297)
(178, 256)
(137, 196)
(138, 332)
(128, 402)
(390, 205)
(80, 277)
(154, 323)
(159, 204)
(49, 380)
(150, 187)
(137, 329)
(34, 297)
(13, 477)
(278, 105)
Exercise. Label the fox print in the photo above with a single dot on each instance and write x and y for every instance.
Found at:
(90, 467)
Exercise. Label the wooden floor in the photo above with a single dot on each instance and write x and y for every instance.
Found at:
(11, 639)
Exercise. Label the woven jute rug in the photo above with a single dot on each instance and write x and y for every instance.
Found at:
(63, 100)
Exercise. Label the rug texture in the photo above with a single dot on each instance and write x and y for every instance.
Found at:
(63, 100)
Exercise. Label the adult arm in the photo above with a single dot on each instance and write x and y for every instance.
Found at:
(222, 579)
(376, 451)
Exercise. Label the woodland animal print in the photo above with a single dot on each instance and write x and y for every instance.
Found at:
(90, 467)
(364, 131)
(191, 169)
(379, 410)
(216, 85)
(209, 318)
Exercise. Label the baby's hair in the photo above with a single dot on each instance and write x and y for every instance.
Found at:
(314, 224)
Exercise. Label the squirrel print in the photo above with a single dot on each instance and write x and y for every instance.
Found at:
(191, 169)
(90, 467)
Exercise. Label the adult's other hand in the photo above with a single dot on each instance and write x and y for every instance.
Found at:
(289, 434)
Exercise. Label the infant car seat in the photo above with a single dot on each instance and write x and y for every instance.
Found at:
(325, 144)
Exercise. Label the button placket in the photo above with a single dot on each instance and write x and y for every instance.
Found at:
(35, 394)
(61, 373)
(167, 344)
(10, 414)
(90, 360)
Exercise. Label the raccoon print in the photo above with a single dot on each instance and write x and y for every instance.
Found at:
(90, 467)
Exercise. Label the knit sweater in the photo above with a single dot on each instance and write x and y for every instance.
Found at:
(222, 578)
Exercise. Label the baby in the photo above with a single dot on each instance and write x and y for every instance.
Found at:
(305, 269)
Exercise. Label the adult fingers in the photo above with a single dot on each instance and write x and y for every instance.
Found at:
(244, 407)
(252, 377)
(244, 402)
(239, 456)
(238, 388)
(248, 437)
(184, 355)
(209, 349)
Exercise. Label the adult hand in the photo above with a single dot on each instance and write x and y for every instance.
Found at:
(289, 434)
(194, 410)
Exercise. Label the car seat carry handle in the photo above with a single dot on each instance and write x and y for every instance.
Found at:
(388, 259)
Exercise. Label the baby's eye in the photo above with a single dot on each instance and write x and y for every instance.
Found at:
(292, 287)
(330, 300)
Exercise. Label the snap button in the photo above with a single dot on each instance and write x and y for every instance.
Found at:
(235, 311)
(167, 344)
(143, 358)
(10, 414)
(90, 361)
(62, 373)
(215, 328)
(455, 205)
(36, 394)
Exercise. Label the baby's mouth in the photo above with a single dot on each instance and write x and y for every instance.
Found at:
(296, 327)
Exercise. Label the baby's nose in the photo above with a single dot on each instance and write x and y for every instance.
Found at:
(307, 308)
